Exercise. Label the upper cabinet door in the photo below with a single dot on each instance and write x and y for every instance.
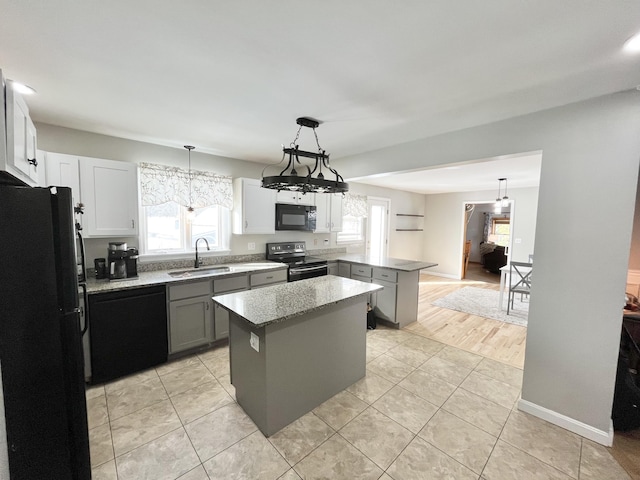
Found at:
(110, 196)
(21, 139)
(336, 212)
(285, 196)
(323, 212)
(254, 207)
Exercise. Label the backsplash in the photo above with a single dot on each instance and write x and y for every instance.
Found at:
(214, 260)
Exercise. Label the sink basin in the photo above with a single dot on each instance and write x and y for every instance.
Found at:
(199, 272)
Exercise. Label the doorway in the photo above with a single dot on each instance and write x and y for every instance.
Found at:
(483, 228)
(378, 227)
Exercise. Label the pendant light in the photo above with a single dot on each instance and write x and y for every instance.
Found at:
(289, 179)
(191, 213)
(505, 199)
(497, 208)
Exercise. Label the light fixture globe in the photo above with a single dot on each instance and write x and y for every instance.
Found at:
(289, 179)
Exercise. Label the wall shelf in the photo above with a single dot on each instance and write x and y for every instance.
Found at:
(409, 222)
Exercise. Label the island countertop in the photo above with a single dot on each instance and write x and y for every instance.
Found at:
(261, 307)
(384, 262)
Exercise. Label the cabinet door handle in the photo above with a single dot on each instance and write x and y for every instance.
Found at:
(33, 161)
(246, 224)
(207, 305)
(133, 223)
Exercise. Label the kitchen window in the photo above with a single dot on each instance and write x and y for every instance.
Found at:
(354, 211)
(168, 230)
(166, 192)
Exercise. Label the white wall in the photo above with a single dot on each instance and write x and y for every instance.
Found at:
(590, 157)
(401, 244)
(444, 223)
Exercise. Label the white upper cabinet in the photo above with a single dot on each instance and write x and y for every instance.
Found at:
(285, 196)
(328, 212)
(63, 171)
(336, 212)
(109, 192)
(254, 207)
(323, 213)
(22, 140)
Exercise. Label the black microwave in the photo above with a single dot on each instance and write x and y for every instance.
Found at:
(295, 217)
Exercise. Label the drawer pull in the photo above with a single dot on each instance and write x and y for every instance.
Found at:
(270, 277)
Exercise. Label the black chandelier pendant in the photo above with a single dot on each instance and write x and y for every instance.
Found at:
(290, 179)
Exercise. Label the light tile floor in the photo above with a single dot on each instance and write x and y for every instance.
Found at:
(424, 411)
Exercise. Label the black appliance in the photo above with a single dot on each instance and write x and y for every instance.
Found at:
(122, 261)
(626, 398)
(295, 217)
(40, 336)
(294, 254)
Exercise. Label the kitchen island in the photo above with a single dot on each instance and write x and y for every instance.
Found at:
(293, 346)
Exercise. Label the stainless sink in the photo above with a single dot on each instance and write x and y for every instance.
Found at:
(199, 272)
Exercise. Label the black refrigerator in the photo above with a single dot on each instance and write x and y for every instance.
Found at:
(41, 354)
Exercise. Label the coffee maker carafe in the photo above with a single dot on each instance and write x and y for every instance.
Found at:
(117, 265)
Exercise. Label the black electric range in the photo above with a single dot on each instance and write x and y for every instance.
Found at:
(295, 255)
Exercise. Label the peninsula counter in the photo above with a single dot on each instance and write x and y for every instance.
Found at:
(295, 345)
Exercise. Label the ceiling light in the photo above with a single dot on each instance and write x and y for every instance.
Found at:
(191, 213)
(633, 44)
(501, 201)
(22, 88)
(289, 179)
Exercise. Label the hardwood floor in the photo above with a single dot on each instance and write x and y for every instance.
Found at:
(500, 341)
(493, 339)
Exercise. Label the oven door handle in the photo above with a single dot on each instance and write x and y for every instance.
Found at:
(307, 269)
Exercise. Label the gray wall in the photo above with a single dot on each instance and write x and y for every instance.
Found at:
(64, 140)
(590, 156)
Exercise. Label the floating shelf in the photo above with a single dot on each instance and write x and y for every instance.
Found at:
(409, 222)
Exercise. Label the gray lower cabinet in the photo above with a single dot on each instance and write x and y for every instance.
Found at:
(333, 268)
(190, 316)
(222, 287)
(344, 269)
(398, 302)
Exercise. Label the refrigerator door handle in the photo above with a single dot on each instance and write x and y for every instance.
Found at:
(85, 303)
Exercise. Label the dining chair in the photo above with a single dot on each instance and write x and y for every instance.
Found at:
(519, 281)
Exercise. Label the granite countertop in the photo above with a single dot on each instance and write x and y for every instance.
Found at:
(276, 303)
(146, 279)
(385, 262)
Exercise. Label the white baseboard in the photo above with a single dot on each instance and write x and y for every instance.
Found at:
(582, 429)
(438, 274)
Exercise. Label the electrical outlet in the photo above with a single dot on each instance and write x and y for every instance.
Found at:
(251, 246)
(254, 341)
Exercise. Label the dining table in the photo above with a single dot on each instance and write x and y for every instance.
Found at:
(504, 283)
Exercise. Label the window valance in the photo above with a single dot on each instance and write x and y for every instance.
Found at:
(354, 205)
(161, 184)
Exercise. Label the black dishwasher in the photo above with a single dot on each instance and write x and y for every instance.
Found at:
(128, 331)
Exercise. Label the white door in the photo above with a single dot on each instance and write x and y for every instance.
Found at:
(378, 227)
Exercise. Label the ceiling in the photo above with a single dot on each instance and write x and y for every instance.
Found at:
(231, 77)
(520, 171)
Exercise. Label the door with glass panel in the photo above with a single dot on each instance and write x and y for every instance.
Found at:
(378, 227)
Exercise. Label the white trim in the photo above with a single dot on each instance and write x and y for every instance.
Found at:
(575, 426)
(438, 274)
(633, 277)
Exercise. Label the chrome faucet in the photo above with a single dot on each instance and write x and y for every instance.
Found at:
(198, 261)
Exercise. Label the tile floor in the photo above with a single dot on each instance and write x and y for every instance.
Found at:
(424, 411)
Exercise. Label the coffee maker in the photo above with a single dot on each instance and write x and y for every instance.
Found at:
(122, 261)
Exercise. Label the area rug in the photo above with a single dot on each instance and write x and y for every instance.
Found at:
(484, 303)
